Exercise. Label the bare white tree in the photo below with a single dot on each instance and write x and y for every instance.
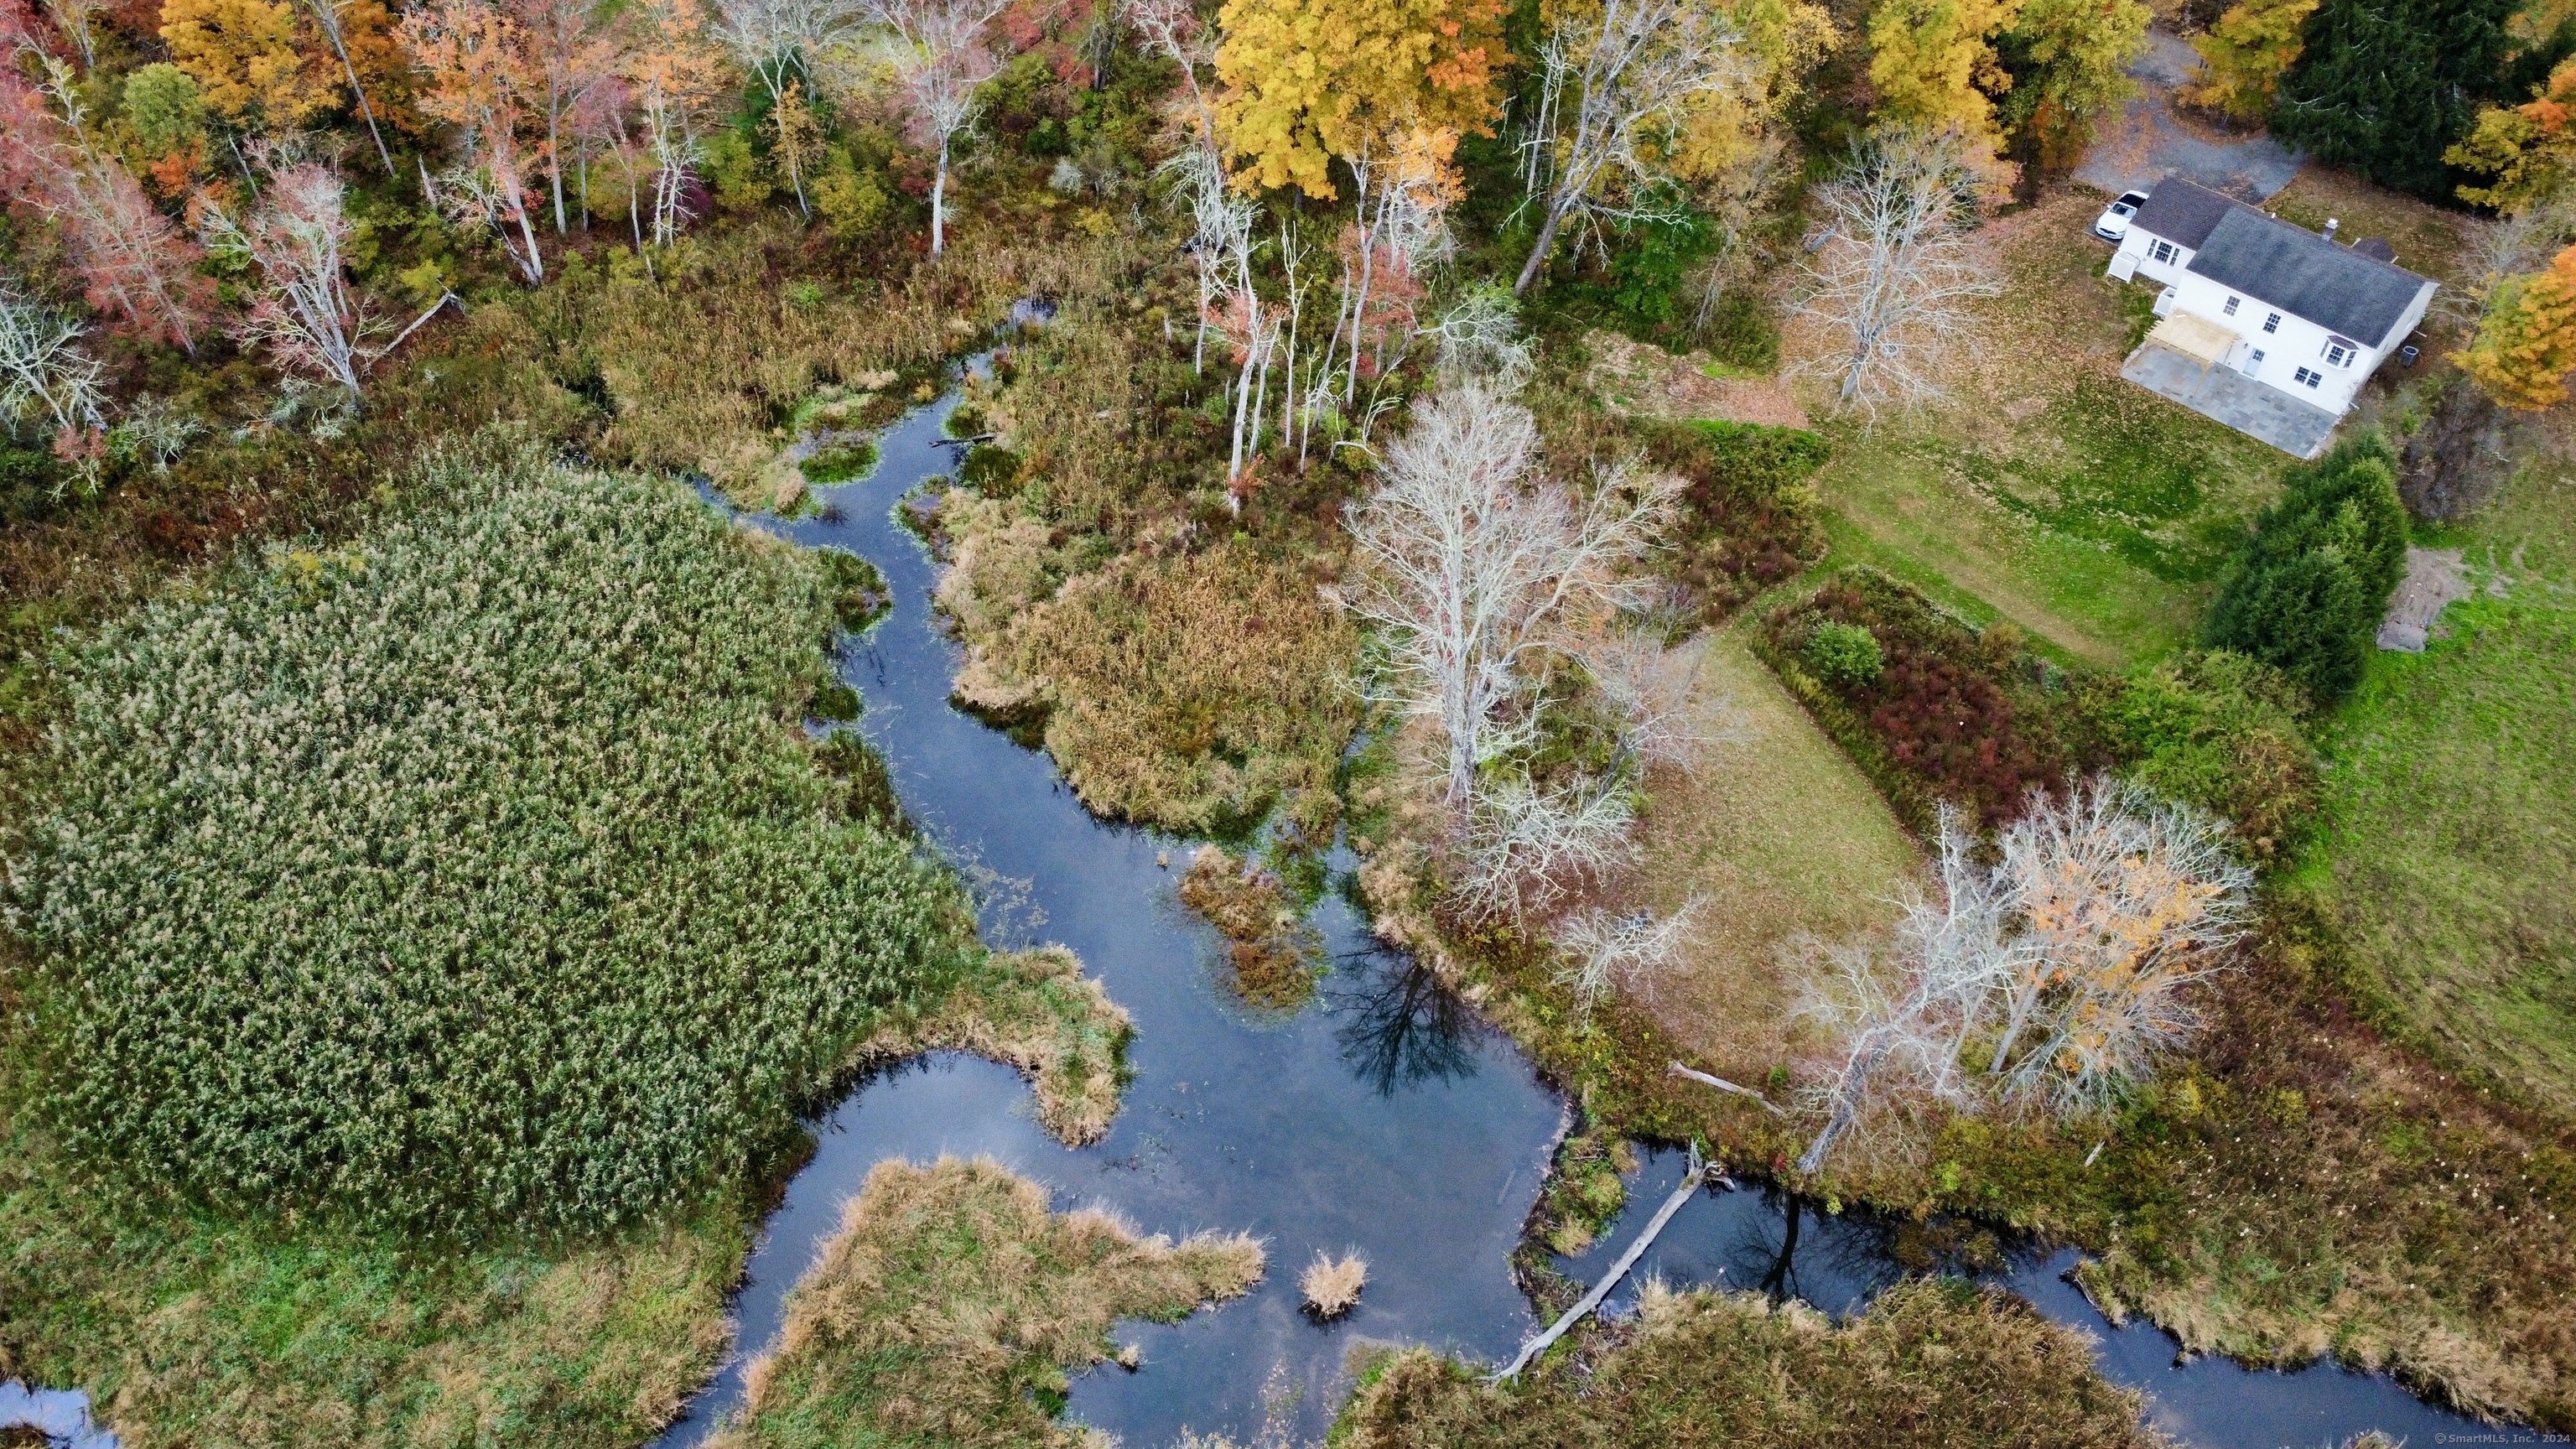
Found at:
(1899, 1024)
(1473, 573)
(1604, 950)
(306, 314)
(42, 365)
(1889, 269)
(1616, 85)
(941, 58)
(2081, 950)
(2129, 902)
(331, 18)
(1526, 847)
(1655, 690)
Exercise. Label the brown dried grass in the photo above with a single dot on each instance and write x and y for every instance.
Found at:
(1036, 1011)
(1332, 1285)
(1932, 1365)
(952, 1307)
(1185, 690)
(1273, 954)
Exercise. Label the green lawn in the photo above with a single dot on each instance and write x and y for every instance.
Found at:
(2045, 489)
(2450, 809)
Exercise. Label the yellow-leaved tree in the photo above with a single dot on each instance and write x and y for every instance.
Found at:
(1934, 65)
(2526, 152)
(256, 62)
(1306, 82)
(2244, 54)
(2527, 344)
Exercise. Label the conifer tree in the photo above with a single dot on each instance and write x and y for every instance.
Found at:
(2384, 87)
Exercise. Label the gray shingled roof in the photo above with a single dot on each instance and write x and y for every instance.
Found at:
(2347, 289)
(2182, 212)
(2302, 273)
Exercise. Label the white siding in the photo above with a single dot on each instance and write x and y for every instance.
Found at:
(2296, 344)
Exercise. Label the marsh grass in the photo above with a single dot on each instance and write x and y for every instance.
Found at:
(1331, 1286)
(1931, 1365)
(1036, 1011)
(276, 960)
(953, 1306)
(1276, 958)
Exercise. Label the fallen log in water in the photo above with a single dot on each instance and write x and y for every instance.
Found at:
(1691, 1180)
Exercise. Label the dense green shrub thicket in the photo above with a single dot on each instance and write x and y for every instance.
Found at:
(2306, 591)
(470, 875)
(2218, 730)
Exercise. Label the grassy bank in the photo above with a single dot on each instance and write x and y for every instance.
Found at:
(1930, 1364)
(2449, 814)
(952, 1306)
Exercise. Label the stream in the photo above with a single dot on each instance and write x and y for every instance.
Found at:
(1384, 1117)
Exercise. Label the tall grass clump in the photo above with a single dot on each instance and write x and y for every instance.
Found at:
(470, 875)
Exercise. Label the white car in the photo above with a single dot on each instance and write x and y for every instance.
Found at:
(2113, 223)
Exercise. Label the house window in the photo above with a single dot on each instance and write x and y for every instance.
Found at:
(2272, 323)
(2230, 308)
(2310, 377)
(2162, 251)
(2338, 354)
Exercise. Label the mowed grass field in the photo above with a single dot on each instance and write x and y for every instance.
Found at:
(1780, 836)
(2044, 489)
(2448, 843)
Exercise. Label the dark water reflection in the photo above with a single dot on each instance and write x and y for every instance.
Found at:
(1383, 1118)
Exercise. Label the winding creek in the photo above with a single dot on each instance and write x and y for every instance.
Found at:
(1383, 1117)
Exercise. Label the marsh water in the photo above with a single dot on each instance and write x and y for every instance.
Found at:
(1382, 1117)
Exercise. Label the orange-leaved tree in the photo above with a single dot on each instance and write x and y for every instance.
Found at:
(1934, 64)
(479, 81)
(2526, 346)
(672, 73)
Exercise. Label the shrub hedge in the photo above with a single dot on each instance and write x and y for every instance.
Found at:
(1748, 514)
(1951, 714)
(2306, 590)
(473, 875)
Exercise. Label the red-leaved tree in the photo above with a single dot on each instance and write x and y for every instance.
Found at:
(132, 263)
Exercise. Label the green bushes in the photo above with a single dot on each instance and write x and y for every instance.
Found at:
(470, 875)
(2218, 730)
(1844, 654)
(2305, 593)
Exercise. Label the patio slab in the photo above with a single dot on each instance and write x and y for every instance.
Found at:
(2297, 428)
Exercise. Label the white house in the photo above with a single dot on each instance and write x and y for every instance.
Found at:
(2276, 305)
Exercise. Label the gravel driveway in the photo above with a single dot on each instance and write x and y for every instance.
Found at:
(2148, 141)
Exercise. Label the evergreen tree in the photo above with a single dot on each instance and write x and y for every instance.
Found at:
(2383, 87)
(2306, 591)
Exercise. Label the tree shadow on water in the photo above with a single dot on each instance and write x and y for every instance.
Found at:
(1399, 1027)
